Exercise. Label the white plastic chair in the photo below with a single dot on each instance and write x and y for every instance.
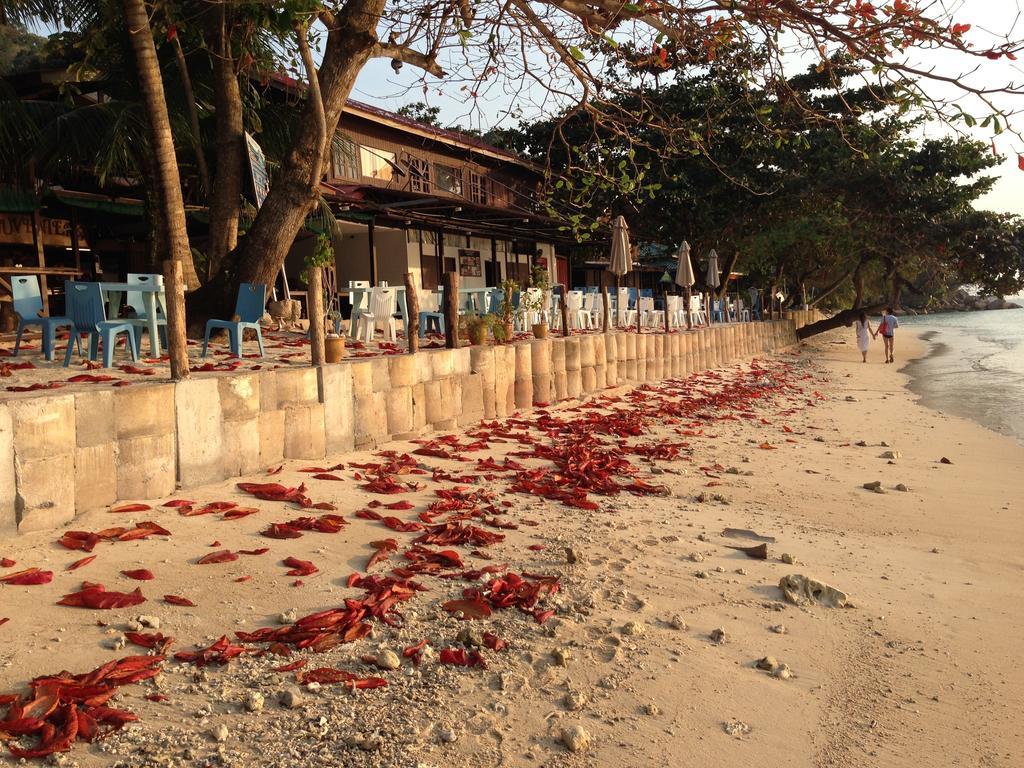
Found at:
(742, 313)
(624, 316)
(649, 316)
(697, 316)
(380, 315)
(593, 306)
(672, 306)
(358, 306)
(579, 317)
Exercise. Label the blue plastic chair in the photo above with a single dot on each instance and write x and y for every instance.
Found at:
(248, 309)
(431, 321)
(633, 295)
(494, 301)
(717, 311)
(85, 309)
(647, 293)
(28, 302)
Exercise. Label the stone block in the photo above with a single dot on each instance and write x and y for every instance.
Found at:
(380, 373)
(402, 370)
(419, 407)
(461, 362)
(424, 369)
(370, 419)
(95, 477)
(271, 437)
(472, 399)
(339, 403)
(362, 377)
(8, 484)
(557, 356)
(573, 384)
(146, 466)
(268, 390)
(483, 362)
(523, 384)
(524, 392)
(144, 409)
(540, 356)
(45, 491)
(601, 376)
(199, 431)
(572, 354)
(588, 379)
(241, 443)
(600, 343)
(398, 403)
(43, 426)
(304, 432)
(559, 386)
(239, 396)
(588, 355)
(442, 363)
(94, 417)
(297, 386)
(542, 392)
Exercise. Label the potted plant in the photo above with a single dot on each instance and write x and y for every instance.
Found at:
(334, 347)
(506, 309)
(476, 328)
(539, 282)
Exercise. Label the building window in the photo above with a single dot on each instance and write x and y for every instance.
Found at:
(479, 188)
(377, 164)
(419, 170)
(344, 157)
(448, 179)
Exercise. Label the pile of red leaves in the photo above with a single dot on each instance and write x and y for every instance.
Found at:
(330, 676)
(221, 652)
(27, 577)
(278, 492)
(64, 708)
(85, 541)
(293, 529)
(427, 561)
(510, 590)
(450, 534)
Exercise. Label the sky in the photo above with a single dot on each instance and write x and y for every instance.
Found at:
(990, 20)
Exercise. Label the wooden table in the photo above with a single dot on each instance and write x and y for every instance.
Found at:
(153, 296)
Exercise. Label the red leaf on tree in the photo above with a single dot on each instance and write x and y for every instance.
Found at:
(220, 556)
(139, 575)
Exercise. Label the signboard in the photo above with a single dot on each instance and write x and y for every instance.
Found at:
(258, 168)
(16, 229)
(469, 263)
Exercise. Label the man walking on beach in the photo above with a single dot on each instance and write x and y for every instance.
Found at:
(887, 327)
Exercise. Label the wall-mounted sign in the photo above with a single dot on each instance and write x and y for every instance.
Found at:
(469, 263)
(16, 229)
(258, 168)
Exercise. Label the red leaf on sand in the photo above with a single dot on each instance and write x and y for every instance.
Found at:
(6, 562)
(177, 600)
(221, 652)
(96, 597)
(239, 512)
(174, 503)
(460, 658)
(474, 608)
(401, 526)
(134, 369)
(493, 642)
(275, 470)
(399, 505)
(156, 640)
(541, 616)
(215, 544)
(300, 567)
(326, 476)
(28, 577)
(220, 556)
(241, 579)
(131, 508)
(89, 378)
(3, 620)
(329, 676)
(291, 667)
(139, 575)
(260, 551)
(768, 447)
(536, 547)
(36, 386)
(207, 509)
(80, 563)
(415, 652)
(384, 547)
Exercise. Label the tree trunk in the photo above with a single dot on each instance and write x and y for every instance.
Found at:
(450, 281)
(832, 288)
(193, 116)
(226, 195)
(730, 265)
(315, 302)
(412, 306)
(844, 318)
(349, 45)
(166, 181)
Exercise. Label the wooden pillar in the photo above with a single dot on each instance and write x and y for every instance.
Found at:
(412, 304)
(315, 305)
(689, 296)
(606, 311)
(494, 262)
(564, 309)
(451, 310)
(37, 239)
(177, 344)
(373, 254)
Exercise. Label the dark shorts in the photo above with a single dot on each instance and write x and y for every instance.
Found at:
(887, 335)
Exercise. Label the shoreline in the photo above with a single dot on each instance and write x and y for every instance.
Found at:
(921, 671)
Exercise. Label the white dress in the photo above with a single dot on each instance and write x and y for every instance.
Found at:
(863, 335)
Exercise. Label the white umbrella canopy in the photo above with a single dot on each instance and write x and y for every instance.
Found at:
(621, 260)
(713, 280)
(684, 269)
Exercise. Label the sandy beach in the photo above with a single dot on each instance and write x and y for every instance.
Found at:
(919, 669)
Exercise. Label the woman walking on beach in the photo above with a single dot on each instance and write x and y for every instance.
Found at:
(863, 326)
(887, 327)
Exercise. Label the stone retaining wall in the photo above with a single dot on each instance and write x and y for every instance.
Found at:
(61, 455)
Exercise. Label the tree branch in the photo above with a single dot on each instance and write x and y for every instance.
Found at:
(407, 55)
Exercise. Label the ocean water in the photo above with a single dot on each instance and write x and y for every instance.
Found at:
(975, 368)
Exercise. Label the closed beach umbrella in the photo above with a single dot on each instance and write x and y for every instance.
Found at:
(621, 260)
(713, 280)
(684, 269)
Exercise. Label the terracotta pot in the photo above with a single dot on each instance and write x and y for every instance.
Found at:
(508, 332)
(334, 349)
(540, 331)
(478, 334)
